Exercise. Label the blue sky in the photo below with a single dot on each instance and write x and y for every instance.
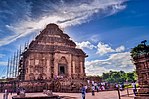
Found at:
(105, 29)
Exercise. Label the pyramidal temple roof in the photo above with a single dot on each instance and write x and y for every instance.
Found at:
(52, 39)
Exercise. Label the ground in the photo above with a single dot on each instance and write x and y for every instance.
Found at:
(98, 95)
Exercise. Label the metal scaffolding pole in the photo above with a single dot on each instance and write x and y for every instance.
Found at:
(13, 67)
(8, 69)
(16, 66)
(11, 62)
(20, 52)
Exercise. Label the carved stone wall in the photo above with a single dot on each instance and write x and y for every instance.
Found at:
(142, 69)
(52, 54)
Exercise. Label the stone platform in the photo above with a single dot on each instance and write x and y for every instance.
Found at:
(37, 97)
(98, 95)
(141, 97)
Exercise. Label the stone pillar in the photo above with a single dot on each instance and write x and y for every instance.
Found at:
(84, 67)
(69, 65)
(48, 73)
(55, 69)
(55, 66)
(28, 67)
(52, 65)
(81, 67)
(73, 64)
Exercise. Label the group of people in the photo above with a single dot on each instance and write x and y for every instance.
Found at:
(101, 86)
(84, 90)
(6, 93)
(121, 87)
(94, 87)
(19, 91)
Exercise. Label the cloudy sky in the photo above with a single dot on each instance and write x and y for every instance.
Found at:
(105, 29)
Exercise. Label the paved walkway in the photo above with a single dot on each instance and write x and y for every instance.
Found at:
(98, 95)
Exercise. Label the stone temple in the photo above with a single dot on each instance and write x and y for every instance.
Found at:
(50, 62)
(52, 55)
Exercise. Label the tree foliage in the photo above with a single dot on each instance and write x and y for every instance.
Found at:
(119, 77)
(140, 49)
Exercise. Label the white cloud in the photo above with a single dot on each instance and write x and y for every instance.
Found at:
(101, 47)
(2, 55)
(105, 48)
(115, 62)
(121, 59)
(119, 49)
(9, 39)
(96, 70)
(3, 63)
(85, 44)
(64, 15)
(95, 38)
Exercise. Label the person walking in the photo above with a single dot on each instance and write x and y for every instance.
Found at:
(85, 88)
(93, 90)
(5, 94)
(134, 88)
(83, 91)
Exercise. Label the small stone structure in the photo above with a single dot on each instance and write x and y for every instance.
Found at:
(142, 68)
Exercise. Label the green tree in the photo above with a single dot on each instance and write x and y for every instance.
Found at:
(130, 77)
(118, 77)
(140, 49)
(105, 75)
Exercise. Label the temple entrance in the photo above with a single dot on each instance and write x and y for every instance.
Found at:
(62, 67)
(62, 70)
